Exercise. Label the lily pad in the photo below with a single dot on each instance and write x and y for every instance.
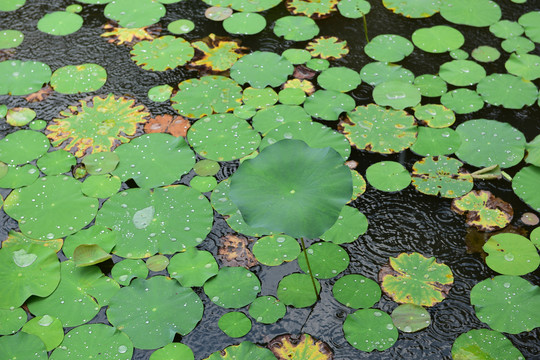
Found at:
(128, 269)
(356, 291)
(134, 13)
(354, 9)
(181, 26)
(511, 254)
(518, 44)
(261, 69)
(477, 13)
(86, 255)
(94, 235)
(529, 21)
(441, 175)
(218, 13)
(438, 39)
(233, 287)
(376, 73)
(244, 23)
(435, 116)
(484, 211)
(370, 329)
(235, 324)
(23, 77)
(173, 351)
(328, 47)
(192, 267)
(206, 167)
(462, 72)
(11, 5)
(511, 92)
(275, 249)
(413, 9)
(12, 320)
(297, 28)
(160, 93)
(415, 279)
(317, 9)
(326, 259)
(22, 146)
(47, 328)
(292, 96)
(267, 309)
(388, 48)
(203, 183)
(339, 79)
(245, 350)
(435, 142)
(388, 176)
(60, 23)
(486, 54)
(166, 52)
(525, 66)
(19, 176)
(296, 290)
(73, 79)
(462, 101)
(484, 344)
(157, 263)
(259, 98)
(56, 162)
(396, 94)
(297, 56)
(410, 318)
(20, 116)
(22, 346)
(350, 224)
(506, 29)
(525, 184)
(100, 163)
(301, 347)
(328, 104)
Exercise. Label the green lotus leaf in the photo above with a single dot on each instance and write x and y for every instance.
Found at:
(101, 186)
(462, 101)
(484, 211)
(388, 48)
(438, 39)
(356, 291)
(300, 347)
(354, 9)
(181, 26)
(246, 6)
(297, 290)
(459, 54)
(233, 287)
(259, 98)
(430, 85)
(197, 98)
(100, 163)
(535, 237)
(19, 176)
(234, 324)
(308, 205)
(142, 311)
(370, 329)
(192, 267)
(134, 13)
(128, 269)
(328, 47)
(350, 224)
(37, 124)
(245, 350)
(507, 303)
(160, 93)
(396, 94)
(533, 151)
(206, 167)
(376, 73)
(297, 56)
(213, 136)
(18, 239)
(484, 344)
(19, 116)
(435, 142)
(86, 255)
(47, 328)
(218, 13)
(415, 279)
(525, 66)
(410, 318)
(73, 79)
(485, 54)
(506, 29)
(244, 112)
(359, 187)
(163, 53)
(388, 176)
(339, 79)
(441, 175)
(275, 249)
(22, 346)
(11, 5)
(12, 320)
(203, 183)
(25, 270)
(413, 9)
(511, 254)
(22, 146)
(173, 351)
(435, 116)
(56, 162)
(529, 21)
(326, 259)
(216, 53)
(316, 9)
(104, 237)
(317, 64)
(267, 309)
(328, 104)
(78, 297)
(166, 220)
(462, 72)
(23, 77)
(244, 23)
(525, 184)
(380, 130)
(60, 23)
(297, 28)
(518, 44)
(261, 69)
(292, 96)
(489, 142)
(477, 13)
(509, 91)
(68, 210)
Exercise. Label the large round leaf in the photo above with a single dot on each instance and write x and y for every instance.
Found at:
(511, 254)
(396, 94)
(297, 28)
(163, 53)
(438, 39)
(328, 104)
(22, 346)
(300, 195)
(23, 77)
(192, 267)
(233, 287)
(23, 146)
(484, 344)
(370, 329)
(134, 13)
(511, 92)
(73, 79)
(388, 48)
(473, 13)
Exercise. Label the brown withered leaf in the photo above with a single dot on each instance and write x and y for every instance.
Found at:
(233, 251)
(174, 125)
(303, 72)
(40, 95)
(129, 36)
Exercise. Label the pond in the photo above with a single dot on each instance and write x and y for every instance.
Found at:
(125, 234)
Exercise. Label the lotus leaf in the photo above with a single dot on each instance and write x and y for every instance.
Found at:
(244, 23)
(301, 347)
(244, 112)
(304, 85)
(73, 79)
(37, 124)
(181, 26)
(261, 69)
(206, 167)
(270, 118)
(165, 220)
(292, 96)
(356, 291)
(142, 160)
(462, 101)
(19, 116)
(296, 290)
(233, 287)
(462, 72)
(440, 174)
(18, 239)
(86, 255)
(12, 320)
(246, 6)
(22, 146)
(25, 270)
(529, 21)
(56, 162)
(339, 79)
(506, 29)
(129, 36)
(396, 94)
(410, 318)
(218, 13)
(518, 44)
(535, 237)
(197, 98)
(484, 211)
(23, 77)
(47, 328)
(297, 28)
(328, 104)
(485, 54)
(11, 5)
(234, 324)
(509, 91)
(388, 176)
(275, 249)
(203, 183)
(438, 39)
(477, 13)
(380, 130)
(388, 48)
(526, 66)
(316, 9)
(350, 224)
(160, 93)
(326, 259)
(413, 9)
(101, 186)
(259, 98)
(415, 279)
(430, 85)
(525, 185)
(297, 56)
(19, 176)
(216, 53)
(22, 346)
(267, 309)
(435, 116)
(166, 52)
(134, 13)
(507, 303)
(90, 126)
(100, 163)
(78, 297)
(359, 185)
(60, 23)
(233, 251)
(318, 64)
(533, 151)
(128, 269)
(173, 351)
(376, 73)
(192, 267)
(435, 142)
(511, 254)
(328, 47)
(157, 263)
(245, 350)
(354, 9)
(484, 344)
(370, 329)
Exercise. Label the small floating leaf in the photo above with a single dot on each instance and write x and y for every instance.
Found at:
(511, 254)
(440, 174)
(275, 249)
(235, 324)
(370, 329)
(410, 318)
(47, 328)
(303, 347)
(245, 350)
(296, 290)
(356, 291)
(484, 344)
(484, 211)
(60, 23)
(233, 287)
(267, 309)
(297, 28)
(75, 79)
(327, 260)
(388, 176)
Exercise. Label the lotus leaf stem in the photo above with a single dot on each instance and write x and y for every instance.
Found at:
(309, 268)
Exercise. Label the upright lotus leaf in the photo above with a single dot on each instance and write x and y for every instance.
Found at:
(23, 77)
(67, 209)
(297, 28)
(47, 328)
(462, 72)
(378, 129)
(356, 291)
(511, 254)
(511, 92)
(303, 347)
(97, 125)
(233, 287)
(484, 211)
(82, 291)
(73, 79)
(442, 175)
(245, 350)
(173, 351)
(388, 48)
(529, 21)
(192, 267)
(350, 224)
(261, 69)
(462, 101)
(477, 13)
(296, 290)
(327, 260)
(163, 53)
(166, 220)
(507, 303)
(267, 309)
(484, 344)
(234, 324)
(525, 185)
(144, 158)
(200, 97)
(415, 279)
(134, 13)
(354, 9)
(25, 270)
(438, 39)
(370, 329)
(20, 116)
(376, 73)
(216, 53)
(23, 146)
(22, 346)
(300, 196)
(388, 176)
(489, 142)
(223, 137)
(410, 318)
(60, 23)
(142, 311)
(316, 9)
(413, 9)
(328, 47)
(244, 23)
(129, 36)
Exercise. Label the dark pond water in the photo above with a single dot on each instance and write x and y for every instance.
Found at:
(398, 222)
